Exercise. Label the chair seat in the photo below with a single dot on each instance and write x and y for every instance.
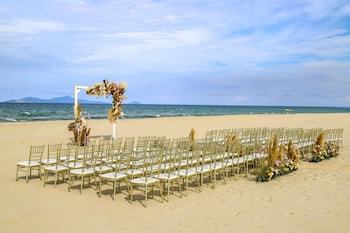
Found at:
(29, 163)
(54, 168)
(113, 176)
(103, 168)
(165, 166)
(249, 157)
(75, 165)
(142, 181)
(166, 176)
(189, 172)
(218, 166)
(67, 158)
(182, 163)
(119, 166)
(235, 161)
(48, 161)
(86, 171)
(134, 172)
(239, 160)
(260, 155)
(204, 169)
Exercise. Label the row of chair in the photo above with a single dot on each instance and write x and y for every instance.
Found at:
(150, 162)
(304, 139)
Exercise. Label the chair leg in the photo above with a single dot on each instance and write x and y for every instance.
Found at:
(56, 177)
(180, 188)
(114, 188)
(168, 192)
(95, 181)
(69, 182)
(82, 184)
(161, 194)
(39, 173)
(146, 195)
(27, 175)
(44, 179)
(131, 194)
(100, 187)
(213, 179)
(17, 173)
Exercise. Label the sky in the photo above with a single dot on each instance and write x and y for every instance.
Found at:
(222, 52)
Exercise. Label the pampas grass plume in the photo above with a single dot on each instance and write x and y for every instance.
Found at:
(320, 140)
(273, 150)
(292, 154)
(110, 115)
(192, 134)
(280, 153)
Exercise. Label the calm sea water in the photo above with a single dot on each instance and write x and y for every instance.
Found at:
(16, 112)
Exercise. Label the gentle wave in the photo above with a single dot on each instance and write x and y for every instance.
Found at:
(10, 119)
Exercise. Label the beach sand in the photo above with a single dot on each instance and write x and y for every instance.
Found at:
(315, 198)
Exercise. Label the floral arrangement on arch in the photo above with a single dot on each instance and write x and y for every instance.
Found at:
(106, 89)
(324, 150)
(281, 160)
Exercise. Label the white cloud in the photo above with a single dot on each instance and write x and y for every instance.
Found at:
(29, 26)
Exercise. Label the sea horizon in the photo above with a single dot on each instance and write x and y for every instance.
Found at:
(22, 112)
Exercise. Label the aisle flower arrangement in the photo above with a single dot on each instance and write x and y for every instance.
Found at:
(324, 150)
(281, 160)
(332, 149)
(79, 128)
(106, 89)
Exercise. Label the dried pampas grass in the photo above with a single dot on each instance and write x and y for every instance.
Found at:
(110, 115)
(280, 153)
(192, 134)
(78, 111)
(320, 140)
(272, 150)
(292, 153)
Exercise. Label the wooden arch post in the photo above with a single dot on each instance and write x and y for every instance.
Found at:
(76, 92)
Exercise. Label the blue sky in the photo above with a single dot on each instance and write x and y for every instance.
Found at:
(257, 52)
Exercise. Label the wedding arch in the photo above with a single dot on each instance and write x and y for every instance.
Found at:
(106, 88)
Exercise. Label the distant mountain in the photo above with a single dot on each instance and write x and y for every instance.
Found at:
(58, 100)
(133, 102)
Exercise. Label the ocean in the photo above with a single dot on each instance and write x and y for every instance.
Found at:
(20, 112)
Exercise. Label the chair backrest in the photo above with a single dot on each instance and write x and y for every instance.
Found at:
(211, 135)
(90, 155)
(204, 154)
(152, 163)
(128, 146)
(79, 154)
(102, 149)
(64, 156)
(116, 146)
(36, 153)
(153, 141)
(167, 163)
(53, 150)
(234, 149)
(117, 162)
(189, 155)
(142, 143)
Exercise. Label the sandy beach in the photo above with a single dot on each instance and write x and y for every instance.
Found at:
(315, 198)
